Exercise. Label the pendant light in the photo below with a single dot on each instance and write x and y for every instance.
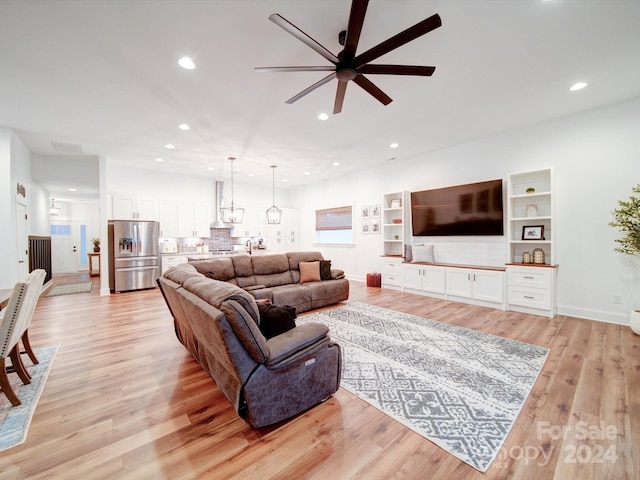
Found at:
(232, 213)
(274, 214)
(53, 210)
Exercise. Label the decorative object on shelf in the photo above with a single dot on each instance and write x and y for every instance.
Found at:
(364, 212)
(533, 232)
(627, 220)
(397, 221)
(532, 210)
(375, 211)
(396, 237)
(396, 203)
(530, 190)
(526, 257)
(274, 214)
(538, 256)
(96, 244)
(232, 213)
(634, 321)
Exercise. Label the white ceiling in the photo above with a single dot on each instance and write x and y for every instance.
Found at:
(103, 75)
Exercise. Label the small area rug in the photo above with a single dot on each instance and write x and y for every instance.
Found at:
(70, 288)
(15, 421)
(459, 388)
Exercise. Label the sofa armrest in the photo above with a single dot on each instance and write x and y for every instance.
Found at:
(336, 274)
(287, 347)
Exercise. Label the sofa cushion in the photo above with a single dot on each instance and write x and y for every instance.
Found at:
(242, 314)
(181, 272)
(296, 257)
(275, 319)
(216, 268)
(269, 264)
(242, 265)
(309, 272)
(325, 269)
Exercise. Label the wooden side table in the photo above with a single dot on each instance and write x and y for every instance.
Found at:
(90, 257)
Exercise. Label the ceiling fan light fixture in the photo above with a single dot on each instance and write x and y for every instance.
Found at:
(231, 213)
(274, 214)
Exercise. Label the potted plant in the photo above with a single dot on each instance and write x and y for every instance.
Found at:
(96, 244)
(627, 220)
(530, 190)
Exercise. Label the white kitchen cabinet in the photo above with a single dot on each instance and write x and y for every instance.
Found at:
(391, 273)
(134, 208)
(479, 285)
(193, 219)
(531, 289)
(168, 261)
(424, 278)
(250, 226)
(285, 236)
(168, 216)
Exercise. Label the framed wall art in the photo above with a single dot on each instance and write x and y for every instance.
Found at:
(533, 232)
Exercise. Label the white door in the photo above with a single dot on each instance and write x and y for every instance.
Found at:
(69, 246)
(22, 241)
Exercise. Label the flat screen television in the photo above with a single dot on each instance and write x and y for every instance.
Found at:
(471, 209)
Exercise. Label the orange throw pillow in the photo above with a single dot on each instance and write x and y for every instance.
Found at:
(309, 272)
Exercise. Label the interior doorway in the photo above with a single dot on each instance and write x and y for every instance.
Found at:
(69, 246)
(22, 241)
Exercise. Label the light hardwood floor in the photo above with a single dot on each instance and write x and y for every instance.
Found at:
(125, 400)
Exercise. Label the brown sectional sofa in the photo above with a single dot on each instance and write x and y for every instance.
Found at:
(277, 277)
(266, 380)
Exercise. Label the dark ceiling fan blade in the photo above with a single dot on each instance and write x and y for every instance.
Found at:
(396, 70)
(310, 89)
(303, 37)
(400, 39)
(368, 86)
(354, 28)
(325, 68)
(342, 88)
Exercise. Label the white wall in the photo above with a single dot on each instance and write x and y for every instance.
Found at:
(15, 168)
(595, 157)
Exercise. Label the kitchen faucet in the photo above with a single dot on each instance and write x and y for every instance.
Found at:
(248, 244)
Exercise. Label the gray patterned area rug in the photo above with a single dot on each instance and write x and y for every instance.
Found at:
(459, 388)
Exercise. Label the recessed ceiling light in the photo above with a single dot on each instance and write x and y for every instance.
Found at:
(73, 189)
(252, 174)
(186, 63)
(307, 173)
(323, 116)
(210, 169)
(169, 146)
(578, 86)
(285, 179)
(184, 126)
(335, 164)
(393, 145)
(158, 159)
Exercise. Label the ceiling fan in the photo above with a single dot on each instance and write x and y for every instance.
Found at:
(346, 65)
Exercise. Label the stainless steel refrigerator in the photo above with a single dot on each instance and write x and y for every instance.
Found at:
(134, 256)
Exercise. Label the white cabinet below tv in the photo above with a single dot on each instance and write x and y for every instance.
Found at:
(419, 278)
(482, 286)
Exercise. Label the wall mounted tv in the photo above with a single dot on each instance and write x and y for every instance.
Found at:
(472, 209)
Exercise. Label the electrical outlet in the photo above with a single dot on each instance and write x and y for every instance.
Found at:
(617, 298)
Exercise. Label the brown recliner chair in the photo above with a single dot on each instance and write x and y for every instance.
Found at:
(267, 381)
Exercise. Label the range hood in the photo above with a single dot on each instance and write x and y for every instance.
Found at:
(217, 223)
